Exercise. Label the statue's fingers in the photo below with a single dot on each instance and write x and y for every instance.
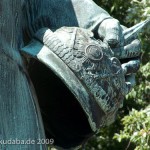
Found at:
(131, 67)
(132, 39)
(110, 31)
(130, 82)
(131, 50)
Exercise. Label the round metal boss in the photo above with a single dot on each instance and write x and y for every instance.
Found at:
(94, 52)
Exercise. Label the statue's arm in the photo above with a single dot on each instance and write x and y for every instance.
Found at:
(80, 13)
(57, 13)
(89, 14)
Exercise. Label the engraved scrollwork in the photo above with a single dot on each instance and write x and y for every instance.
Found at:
(93, 63)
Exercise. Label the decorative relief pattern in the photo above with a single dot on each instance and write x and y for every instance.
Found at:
(94, 64)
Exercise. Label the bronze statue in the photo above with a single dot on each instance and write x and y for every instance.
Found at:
(95, 71)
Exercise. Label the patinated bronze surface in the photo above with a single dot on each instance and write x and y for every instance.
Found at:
(75, 56)
(89, 67)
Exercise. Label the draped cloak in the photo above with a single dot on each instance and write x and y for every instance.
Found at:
(20, 116)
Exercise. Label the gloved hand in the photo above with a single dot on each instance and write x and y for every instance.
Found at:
(111, 31)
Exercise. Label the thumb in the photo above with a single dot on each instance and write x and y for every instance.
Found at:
(110, 31)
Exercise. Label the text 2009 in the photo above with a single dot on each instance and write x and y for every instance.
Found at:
(45, 141)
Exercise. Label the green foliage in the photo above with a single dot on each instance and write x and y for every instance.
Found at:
(140, 10)
(136, 129)
(117, 8)
(131, 131)
(140, 95)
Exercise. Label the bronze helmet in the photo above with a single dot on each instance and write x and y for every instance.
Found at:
(79, 81)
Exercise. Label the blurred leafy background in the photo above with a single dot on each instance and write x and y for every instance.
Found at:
(131, 131)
